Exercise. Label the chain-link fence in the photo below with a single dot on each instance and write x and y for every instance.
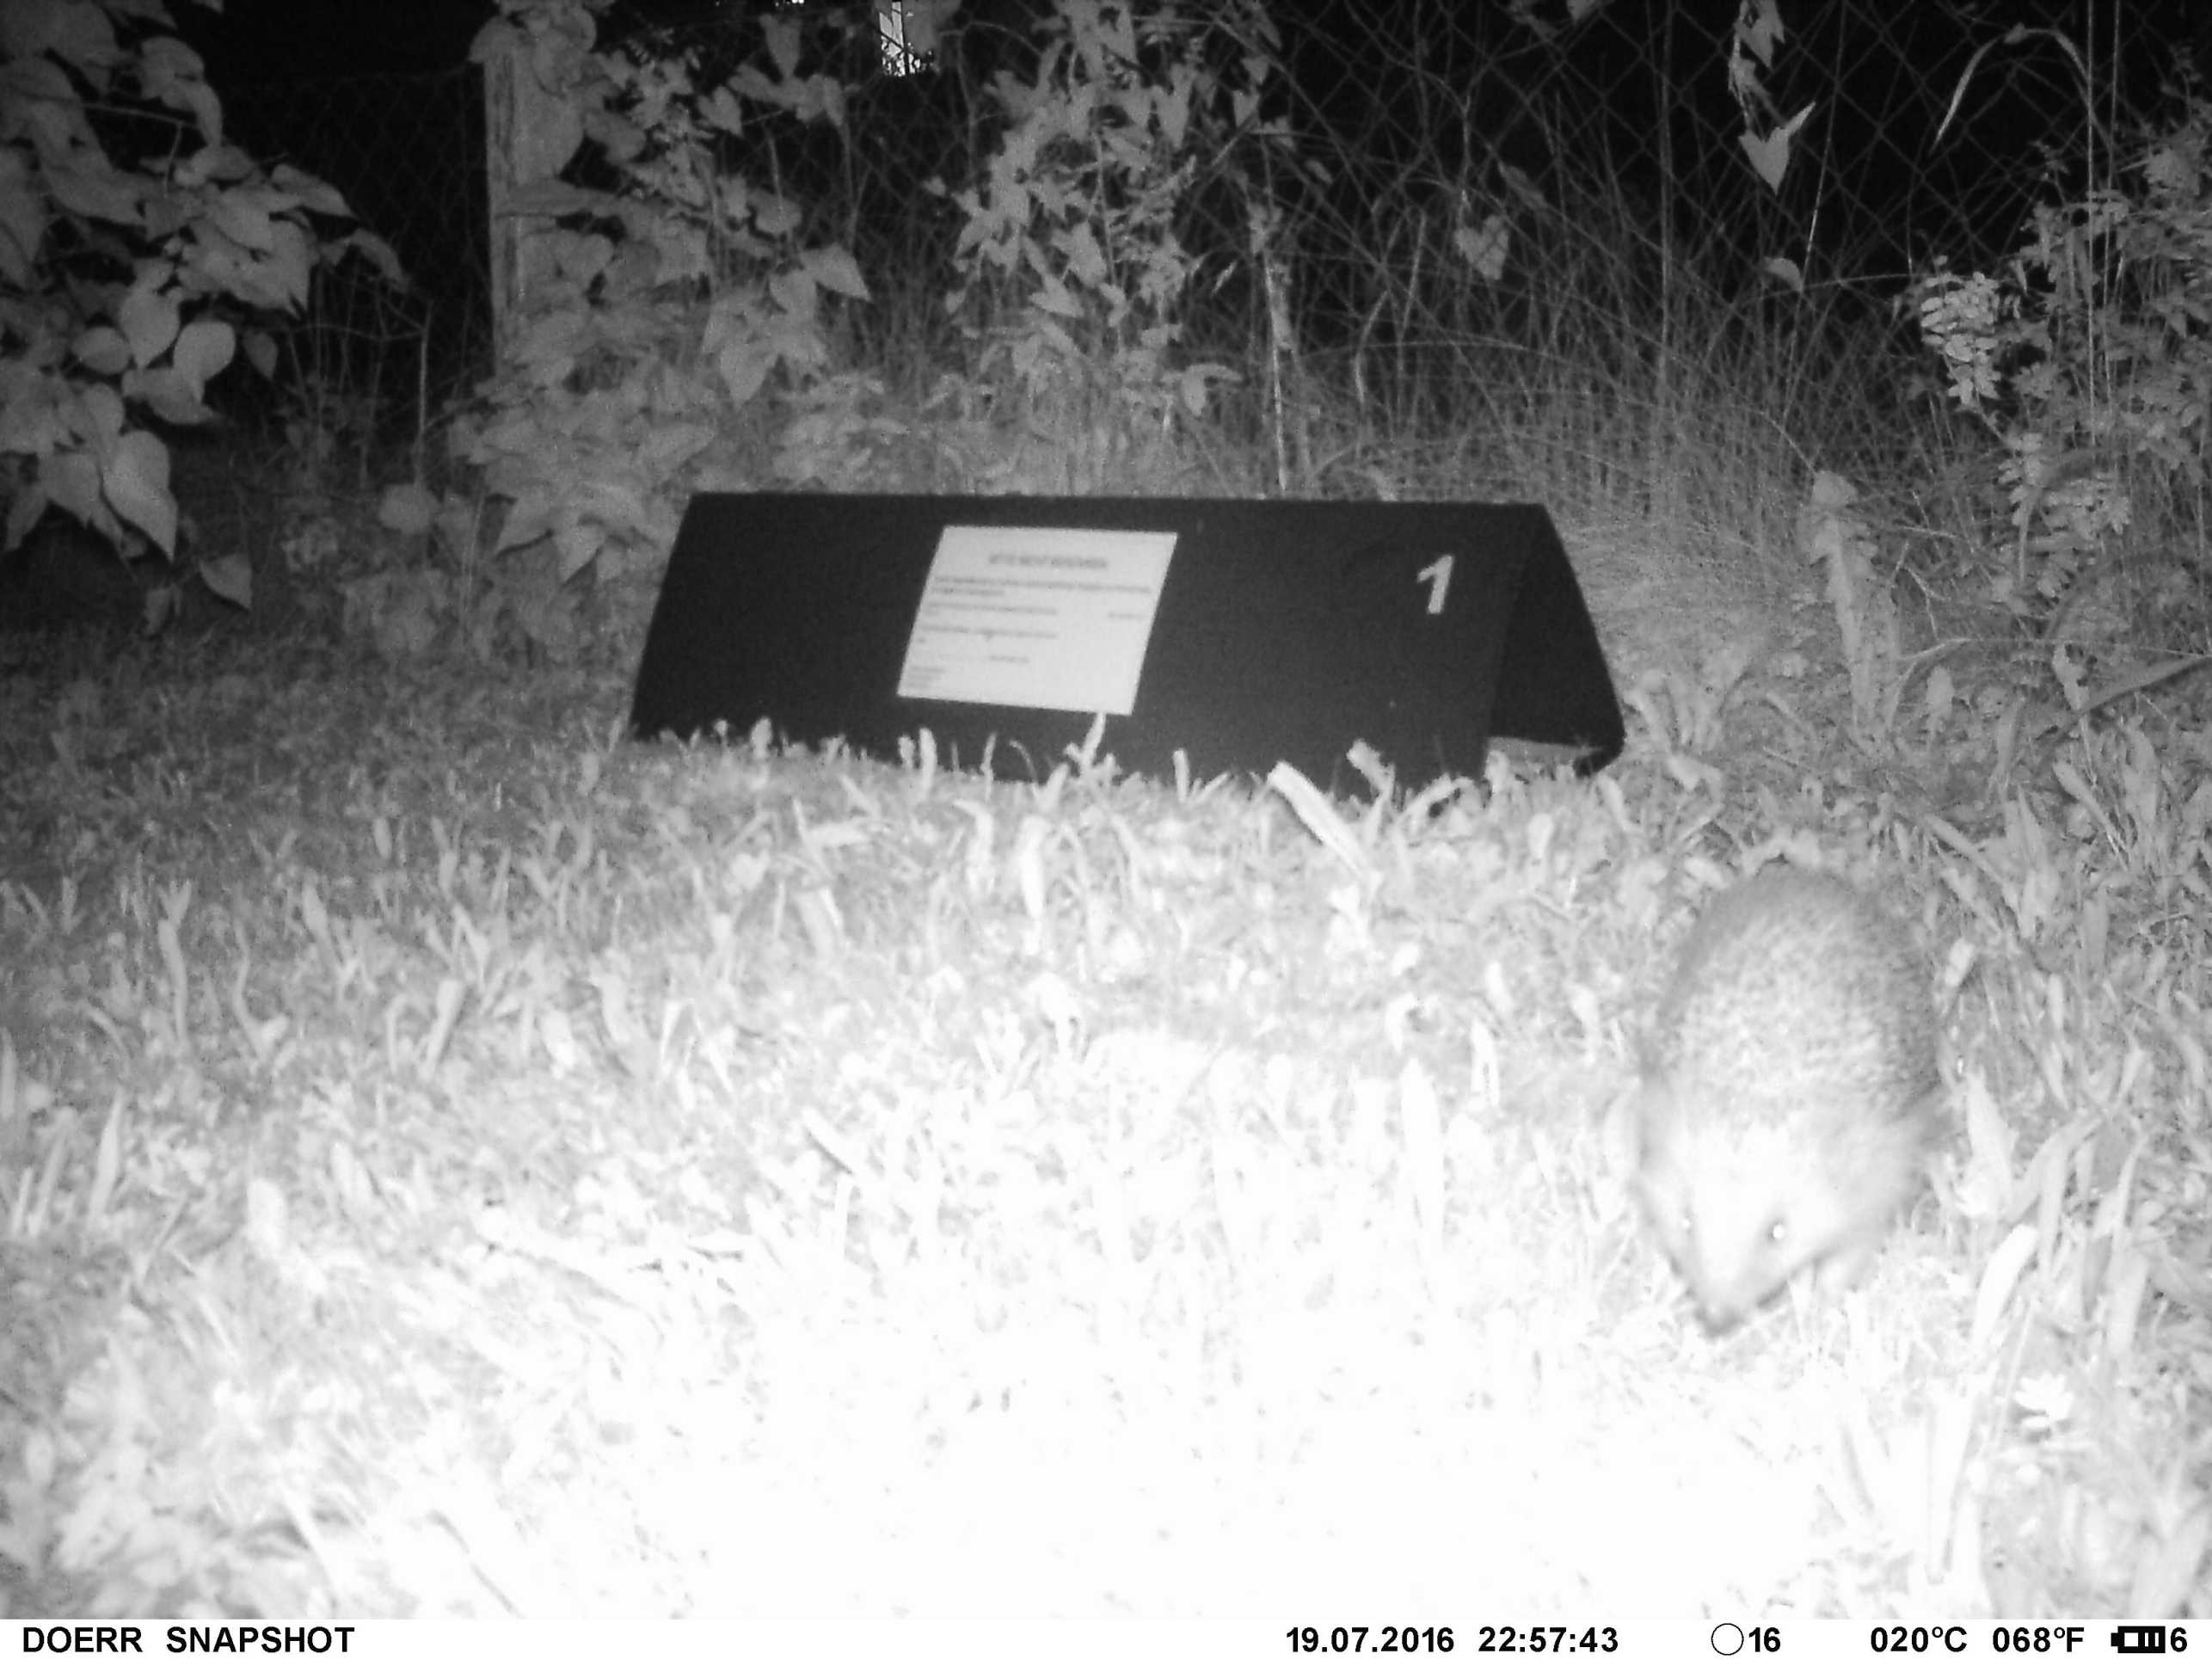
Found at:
(1643, 91)
(1625, 125)
(407, 151)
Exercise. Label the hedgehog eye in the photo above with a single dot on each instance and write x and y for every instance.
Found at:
(1778, 1232)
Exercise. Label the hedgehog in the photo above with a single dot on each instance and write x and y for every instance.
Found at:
(1790, 1095)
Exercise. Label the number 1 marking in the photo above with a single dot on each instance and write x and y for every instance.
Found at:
(1439, 578)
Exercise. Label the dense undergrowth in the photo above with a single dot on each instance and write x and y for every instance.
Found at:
(457, 1160)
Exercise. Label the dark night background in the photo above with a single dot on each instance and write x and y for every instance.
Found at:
(379, 99)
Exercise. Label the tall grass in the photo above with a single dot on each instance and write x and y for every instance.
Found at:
(1424, 305)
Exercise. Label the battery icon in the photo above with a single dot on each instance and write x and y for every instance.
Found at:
(2140, 1639)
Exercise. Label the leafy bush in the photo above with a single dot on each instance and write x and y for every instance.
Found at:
(137, 249)
(651, 308)
(677, 326)
(1071, 274)
(2089, 357)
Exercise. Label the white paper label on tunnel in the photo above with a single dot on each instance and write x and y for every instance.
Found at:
(1037, 618)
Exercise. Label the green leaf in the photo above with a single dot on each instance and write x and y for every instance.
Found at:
(149, 320)
(230, 577)
(94, 190)
(723, 111)
(774, 216)
(407, 508)
(781, 30)
(749, 83)
(244, 217)
(529, 518)
(377, 252)
(203, 350)
(98, 416)
(136, 484)
(103, 350)
(169, 395)
(171, 74)
(71, 482)
(24, 511)
(162, 602)
(311, 192)
(836, 270)
(78, 36)
(744, 367)
(665, 448)
(22, 220)
(795, 291)
(1052, 298)
(215, 164)
(1770, 155)
(578, 545)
